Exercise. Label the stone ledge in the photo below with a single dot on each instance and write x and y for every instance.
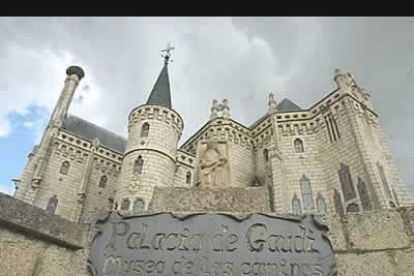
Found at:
(374, 231)
(232, 199)
(19, 216)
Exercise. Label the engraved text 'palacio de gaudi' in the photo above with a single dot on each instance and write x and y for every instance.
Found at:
(211, 244)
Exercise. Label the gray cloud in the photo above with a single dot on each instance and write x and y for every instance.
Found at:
(241, 59)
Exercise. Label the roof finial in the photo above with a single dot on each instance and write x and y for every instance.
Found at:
(167, 56)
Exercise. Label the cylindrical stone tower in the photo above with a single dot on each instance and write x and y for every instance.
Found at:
(154, 130)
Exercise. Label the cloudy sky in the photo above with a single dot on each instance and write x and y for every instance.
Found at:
(241, 59)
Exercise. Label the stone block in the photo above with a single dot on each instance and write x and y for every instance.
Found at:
(230, 199)
(403, 261)
(367, 264)
(408, 216)
(376, 231)
(37, 222)
(336, 232)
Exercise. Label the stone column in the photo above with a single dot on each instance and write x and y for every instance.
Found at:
(32, 175)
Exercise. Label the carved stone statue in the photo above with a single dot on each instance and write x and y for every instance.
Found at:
(212, 170)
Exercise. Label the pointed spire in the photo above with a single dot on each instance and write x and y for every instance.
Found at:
(161, 93)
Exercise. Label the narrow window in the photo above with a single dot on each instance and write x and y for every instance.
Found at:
(363, 195)
(332, 128)
(320, 201)
(52, 204)
(336, 128)
(306, 189)
(64, 168)
(339, 208)
(347, 185)
(188, 177)
(138, 164)
(328, 129)
(102, 181)
(145, 130)
(139, 205)
(266, 155)
(352, 208)
(384, 180)
(396, 197)
(125, 204)
(297, 210)
(298, 145)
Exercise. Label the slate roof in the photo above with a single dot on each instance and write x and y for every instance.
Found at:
(161, 93)
(89, 131)
(285, 105)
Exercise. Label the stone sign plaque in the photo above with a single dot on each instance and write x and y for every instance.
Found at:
(211, 244)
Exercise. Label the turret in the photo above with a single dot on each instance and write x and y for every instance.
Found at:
(272, 104)
(154, 130)
(347, 83)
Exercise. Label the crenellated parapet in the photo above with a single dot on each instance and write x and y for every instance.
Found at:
(155, 112)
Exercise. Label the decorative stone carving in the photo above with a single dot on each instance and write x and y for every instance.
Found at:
(272, 104)
(226, 109)
(223, 108)
(213, 166)
(214, 109)
(95, 143)
(346, 81)
(135, 183)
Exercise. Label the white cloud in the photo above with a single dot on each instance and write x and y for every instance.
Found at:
(29, 125)
(241, 59)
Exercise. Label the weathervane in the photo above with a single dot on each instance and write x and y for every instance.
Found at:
(167, 56)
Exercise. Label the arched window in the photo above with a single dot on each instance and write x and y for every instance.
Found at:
(125, 204)
(266, 155)
(346, 183)
(102, 181)
(384, 180)
(339, 208)
(352, 208)
(138, 164)
(298, 145)
(321, 204)
(188, 177)
(145, 130)
(297, 210)
(64, 168)
(363, 195)
(52, 204)
(306, 189)
(139, 205)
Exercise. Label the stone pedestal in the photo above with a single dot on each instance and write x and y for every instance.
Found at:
(197, 199)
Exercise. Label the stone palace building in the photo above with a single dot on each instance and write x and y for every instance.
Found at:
(329, 158)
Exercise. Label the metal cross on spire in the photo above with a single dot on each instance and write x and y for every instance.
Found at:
(167, 56)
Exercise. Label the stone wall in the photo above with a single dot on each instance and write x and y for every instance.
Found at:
(66, 147)
(198, 199)
(36, 243)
